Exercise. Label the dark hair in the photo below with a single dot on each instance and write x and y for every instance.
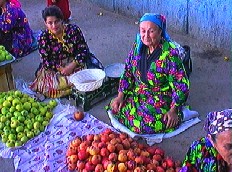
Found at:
(52, 11)
(213, 137)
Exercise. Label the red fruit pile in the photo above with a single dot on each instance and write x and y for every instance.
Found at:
(116, 152)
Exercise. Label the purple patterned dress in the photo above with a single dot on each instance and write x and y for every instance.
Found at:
(15, 32)
(55, 54)
(151, 93)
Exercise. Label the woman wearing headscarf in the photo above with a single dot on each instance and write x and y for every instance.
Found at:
(15, 32)
(154, 85)
(212, 153)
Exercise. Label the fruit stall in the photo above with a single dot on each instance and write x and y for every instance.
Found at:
(52, 136)
(6, 77)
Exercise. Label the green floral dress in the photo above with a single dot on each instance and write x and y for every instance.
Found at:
(202, 156)
(146, 101)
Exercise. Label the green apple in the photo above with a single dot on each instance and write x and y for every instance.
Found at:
(6, 129)
(29, 126)
(19, 129)
(8, 57)
(24, 112)
(19, 107)
(35, 111)
(4, 138)
(6, 103)
(3, 118)
(26, 130)
(27, 106)
(21, 118)
(12, 137)
(20, 135)
(10, 98)
(2, 125)
(17, 113)
(18, 93)
(14, 123)
(42, 128)
(52, 103)
(4, 110)
(13, 131)
(7, 123)
(36, 125)
(34, 104)
(10, 143)
(37, 132)
(45, 123)
(12, 109)
(9, 115)
(24, 139)
(18, 143)
(39, 118)
(49, 115)
(15, 102)
(43, 110)
(30, 134)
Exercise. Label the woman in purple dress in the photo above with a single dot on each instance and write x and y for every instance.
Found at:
(63, 51)
(15, 32)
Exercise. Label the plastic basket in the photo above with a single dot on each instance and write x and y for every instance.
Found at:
(88, 79)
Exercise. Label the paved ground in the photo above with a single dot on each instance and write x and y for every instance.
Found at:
(110, 37)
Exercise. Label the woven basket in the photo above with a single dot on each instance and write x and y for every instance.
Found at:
(88, 79)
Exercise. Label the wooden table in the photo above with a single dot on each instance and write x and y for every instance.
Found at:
(6, 78)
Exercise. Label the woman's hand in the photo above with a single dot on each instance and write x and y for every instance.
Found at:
(53, 1)
(67, 70)
(171, 118)
(117, 103)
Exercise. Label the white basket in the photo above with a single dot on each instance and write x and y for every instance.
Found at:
(88, 79)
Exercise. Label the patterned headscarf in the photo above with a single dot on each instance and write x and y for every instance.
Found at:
(158, 20)
(217, 122)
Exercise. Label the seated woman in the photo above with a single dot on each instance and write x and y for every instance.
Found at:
(15, 32)
(212, 153)
(154, 86)
(63, 51)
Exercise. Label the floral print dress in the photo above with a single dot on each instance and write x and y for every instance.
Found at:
(203, 157)
(16, 33)
(55, 54)
(146, 103)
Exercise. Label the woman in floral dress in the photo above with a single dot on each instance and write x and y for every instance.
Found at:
(63, 51)
(154, 86)
(212, 153)
(15, 32)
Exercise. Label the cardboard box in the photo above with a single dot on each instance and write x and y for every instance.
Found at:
(6, 78)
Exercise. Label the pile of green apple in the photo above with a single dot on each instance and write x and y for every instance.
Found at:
(22, 117)
(4, 54)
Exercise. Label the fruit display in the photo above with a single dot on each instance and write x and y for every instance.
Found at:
(22, 117)
(116, 152)
(4, 54)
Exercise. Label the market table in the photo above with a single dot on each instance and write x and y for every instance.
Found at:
(46, 152)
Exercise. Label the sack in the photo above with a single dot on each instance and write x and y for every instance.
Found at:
(51, 84)
(93, 62)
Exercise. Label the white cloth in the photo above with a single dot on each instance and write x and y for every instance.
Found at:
(190, 119)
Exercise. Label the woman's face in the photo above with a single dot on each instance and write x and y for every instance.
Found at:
(150, 33)
(223, 145)
(54, 25)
